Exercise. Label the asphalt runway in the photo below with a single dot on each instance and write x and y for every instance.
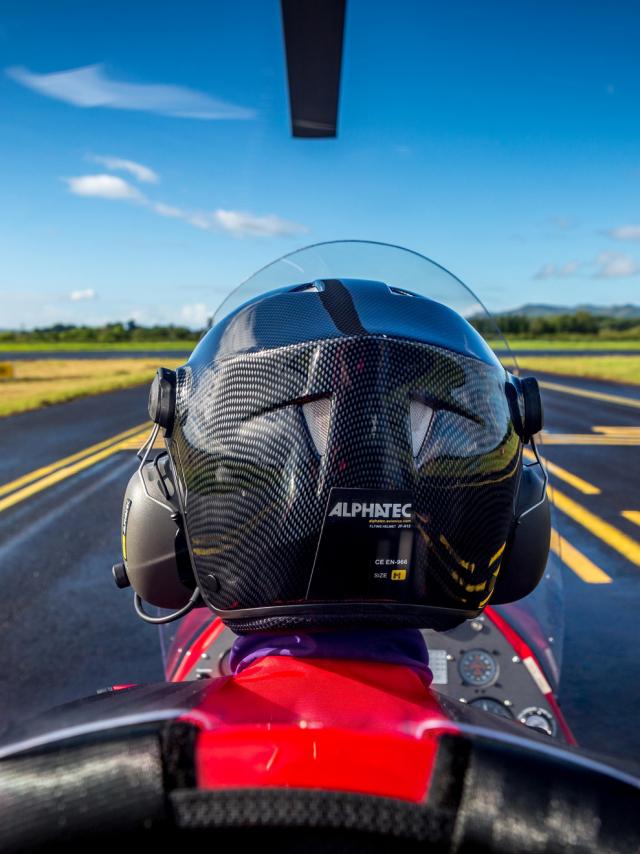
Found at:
(66, 630)
(594, 436)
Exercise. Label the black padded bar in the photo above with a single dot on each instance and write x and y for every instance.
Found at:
(313, 31)
(67, 795)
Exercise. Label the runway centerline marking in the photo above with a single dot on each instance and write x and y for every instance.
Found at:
(609, 534)
(24, 479)
(578, 562)
(632, 516)
(66, 471)
(594, 395)
(572, 479)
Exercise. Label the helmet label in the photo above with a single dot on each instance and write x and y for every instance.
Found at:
(371, 510)
(366, 546)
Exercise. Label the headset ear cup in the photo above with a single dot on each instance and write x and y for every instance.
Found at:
(528, 547)
(154, 549)
(533, 410)
(525, 406)
(513, 395)
(162, 399)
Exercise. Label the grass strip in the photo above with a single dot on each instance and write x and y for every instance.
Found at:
(595, 344)
(620, 369)
(38, 383)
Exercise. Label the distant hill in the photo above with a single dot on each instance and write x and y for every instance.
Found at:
(623, 312)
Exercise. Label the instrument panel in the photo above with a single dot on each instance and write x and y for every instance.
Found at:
(475, 664)
(472, 664)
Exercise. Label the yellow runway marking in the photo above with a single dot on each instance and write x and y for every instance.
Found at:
(594, 395)
(623, 544)
(61, 473)
(45, 470)
(632, 516)
(134, 443)
(588, 439)
(625, 432)
(580, 564)
(572, 479)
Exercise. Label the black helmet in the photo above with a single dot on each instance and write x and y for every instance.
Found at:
(349, 452)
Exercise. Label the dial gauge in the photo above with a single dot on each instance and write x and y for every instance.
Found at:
(539, 719)
(478, 667)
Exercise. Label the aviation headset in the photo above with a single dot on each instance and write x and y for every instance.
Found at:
(156, 559)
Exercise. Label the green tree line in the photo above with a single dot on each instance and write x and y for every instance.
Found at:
(110, 333)
(548, 326)
(580, 323)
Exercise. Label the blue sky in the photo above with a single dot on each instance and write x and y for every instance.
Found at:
(501, 139)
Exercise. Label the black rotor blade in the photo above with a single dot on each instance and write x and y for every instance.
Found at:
(313, 31)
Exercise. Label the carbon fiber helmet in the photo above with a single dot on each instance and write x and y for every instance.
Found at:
(348, 452)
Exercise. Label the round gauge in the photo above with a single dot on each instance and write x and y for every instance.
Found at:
(479, 668)
(495, 707)
(539, 719)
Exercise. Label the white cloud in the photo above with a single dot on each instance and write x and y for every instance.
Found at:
(195, 315)
(553, 271)
(607, 265)
(243, 224)
(200, 220)
(236, 223)
(103, 187)
(168, 210)
(117, 164)
(88, 293)
(562, 223)
(613, 265)
(547, 271)
(570, 268)
(91, 86)
(624, 232)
